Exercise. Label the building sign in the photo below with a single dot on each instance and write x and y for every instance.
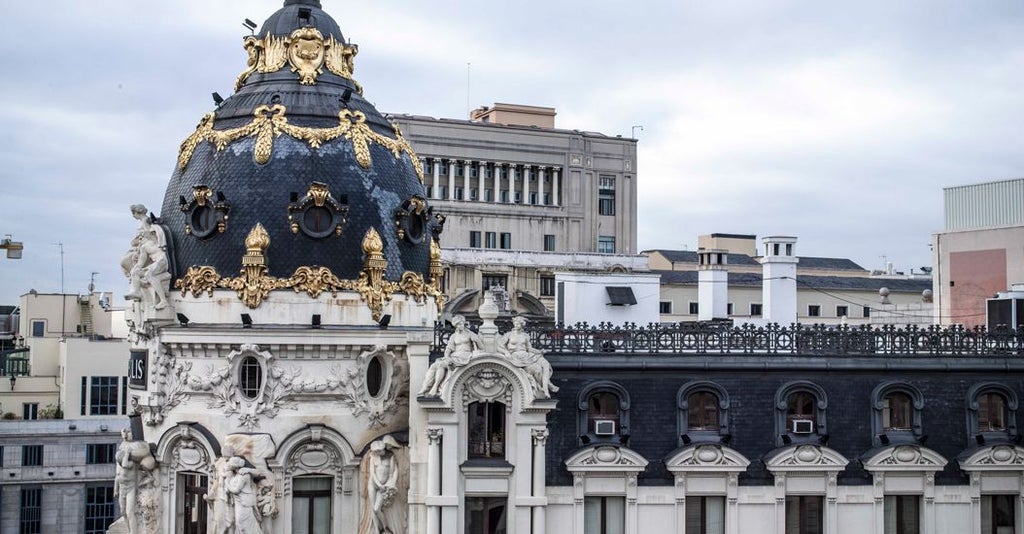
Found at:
(137, 369)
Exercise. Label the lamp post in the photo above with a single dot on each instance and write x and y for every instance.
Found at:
(14, 380)
(13, 248)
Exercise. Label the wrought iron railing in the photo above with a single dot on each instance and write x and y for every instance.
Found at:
(797, 339)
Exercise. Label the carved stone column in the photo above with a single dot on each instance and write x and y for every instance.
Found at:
(540, 438)
(497, 183)
(437, 177)
(526, 184)
(434, 478)
(554, 187)
(512, 182)
(467, 166)
(451, 178)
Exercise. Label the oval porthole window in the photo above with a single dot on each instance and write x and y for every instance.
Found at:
(374, 376)
(203, 220)
(318, 221)
(250, 377)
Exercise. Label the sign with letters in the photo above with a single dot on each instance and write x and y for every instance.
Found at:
(137, 369)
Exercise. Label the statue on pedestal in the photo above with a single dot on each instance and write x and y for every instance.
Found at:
(462, 346)
(145, 264)
(134, 485)
(517, 348)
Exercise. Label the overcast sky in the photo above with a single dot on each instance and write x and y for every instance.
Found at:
(837, 122)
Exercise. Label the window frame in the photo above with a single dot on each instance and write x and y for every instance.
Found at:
(100, 453)
(878, 396)
(783, 431)
(685, 435)
(665, 307)
(693, 307)
(842, 311)
(760, 309)
(475, 240)
(311, 496)
(547, 286)
(32, 455)
(896, 499)
(31, 514)
(99, 510)
(494, 419)
(103, 395)
(549, 242)
(814, 310)
(587, 437)
(973, 428)
(603, 244)
(505, 240)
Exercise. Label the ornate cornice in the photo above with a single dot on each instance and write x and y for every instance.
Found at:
(305, 50)
(254, 283)
(270, 122)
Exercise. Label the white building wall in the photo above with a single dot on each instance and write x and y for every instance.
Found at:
(584, 298)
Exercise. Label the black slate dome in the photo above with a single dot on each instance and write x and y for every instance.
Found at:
(298, 150)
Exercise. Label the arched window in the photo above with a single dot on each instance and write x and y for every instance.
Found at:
(992, 412)
(603, 413)
(486, 430)
(703, 413)
(896, 413)
(800, 409)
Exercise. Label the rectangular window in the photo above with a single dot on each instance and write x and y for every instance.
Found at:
(902, 514)
(755, 310)
(665, 306)
(458, 192)
(38, 328)
(31, 455)
(30, 411)
(103, 395)
(191, 503)
(804, 514)
(489, 195)
(867, 312)
(30, 521)
(442, 191)
(473, 195)
(504, 196)
(533, 198)
(124, 395)
(486, 515)
(549, 242)
(547, 286)
(444, 168)
(547, 198)
(606, 244)
(506, 240)
(728, 309)
(486, 427)
(491, 240)
(998, 514)
(472, 171)
(85, 398)
(474, 239)
(495, 280)
(606, 195)
(814, 310)
(842, 311)
(458, 170)
(1, 455)
(311, 505)
(100, 453)
(705, 515)
(99, 509)
(604, 515)
(694, 308)
(519, 197)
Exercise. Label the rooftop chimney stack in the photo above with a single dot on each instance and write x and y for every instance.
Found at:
(779, 273)
(712, 284)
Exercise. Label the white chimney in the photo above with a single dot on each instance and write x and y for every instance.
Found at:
(779, 284)
(712, 284)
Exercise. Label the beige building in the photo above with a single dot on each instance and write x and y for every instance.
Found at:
(980, 251)
(522, 199)
(78, 369)
(829, 290)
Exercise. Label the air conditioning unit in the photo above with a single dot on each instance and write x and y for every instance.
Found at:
(604, 427)
(803, 426)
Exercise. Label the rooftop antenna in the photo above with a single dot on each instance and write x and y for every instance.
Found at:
(63, 297)
(250, 25)
(633, 134)
(92, 282)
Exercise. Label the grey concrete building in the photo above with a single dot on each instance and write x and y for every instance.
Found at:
(57, 476)
(508, 180)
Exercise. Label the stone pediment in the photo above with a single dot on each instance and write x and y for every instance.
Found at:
(999, 457)
(807, 457)
(706, 458)
(904, 458)
(606, 459)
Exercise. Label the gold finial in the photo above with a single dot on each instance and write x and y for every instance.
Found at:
(435, 250)
(319, 192)
(258, 240)
(372, 243)
(202, 194)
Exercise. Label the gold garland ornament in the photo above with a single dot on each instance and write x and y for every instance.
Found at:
(270, 122)
(254, 283)
(305, 50)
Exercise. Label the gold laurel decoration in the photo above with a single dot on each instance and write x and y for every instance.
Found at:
(270, 122)
(254, 284)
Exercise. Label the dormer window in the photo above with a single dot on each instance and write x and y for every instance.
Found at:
(991, 412)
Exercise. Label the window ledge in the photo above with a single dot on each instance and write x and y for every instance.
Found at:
(486, 468)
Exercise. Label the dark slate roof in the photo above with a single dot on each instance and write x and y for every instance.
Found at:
(262, 193)
(806, 262)
(861, 283)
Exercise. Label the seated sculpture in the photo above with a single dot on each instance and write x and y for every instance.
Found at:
(462, 345)
(516, 347)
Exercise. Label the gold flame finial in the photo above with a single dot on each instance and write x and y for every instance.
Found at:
(372, 243)
(258, 240)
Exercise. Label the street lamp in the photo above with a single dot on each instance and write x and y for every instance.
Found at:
(12, 247)
(14, 380)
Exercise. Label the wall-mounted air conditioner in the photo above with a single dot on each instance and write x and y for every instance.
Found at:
(803, 426)
(604, 427)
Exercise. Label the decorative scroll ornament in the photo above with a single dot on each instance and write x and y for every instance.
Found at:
(204, 214)
(255, 284)
(305, 50)
(270, 122)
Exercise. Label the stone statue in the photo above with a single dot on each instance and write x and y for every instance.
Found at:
(241, 489)
(516, 347)
(218, 498)
(382, 486)
(145, 263)
(462, 345)
(134, 483)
